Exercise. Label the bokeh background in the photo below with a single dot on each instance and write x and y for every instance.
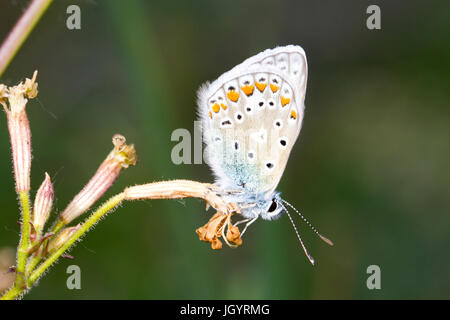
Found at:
(370, 169)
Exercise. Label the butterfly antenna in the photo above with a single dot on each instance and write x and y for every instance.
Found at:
(328, 241)
(311, 259)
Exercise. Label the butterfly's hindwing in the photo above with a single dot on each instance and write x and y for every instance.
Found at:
(251, 117)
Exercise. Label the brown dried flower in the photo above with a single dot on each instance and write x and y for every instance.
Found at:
(215, 228)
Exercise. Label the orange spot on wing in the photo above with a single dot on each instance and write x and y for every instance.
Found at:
(224, 107)
(285, 101)
(216, 107)
(233, 95)
(210, 114)
(293, 114)
(260, 86)
(248, 89)
(274, 88)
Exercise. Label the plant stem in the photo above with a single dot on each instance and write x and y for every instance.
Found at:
(58, 226)
(109, 205)
(21, 31)
(36, 258)
(22, 251)
(24, 244)
(12, 293)
(174, 189)
(32, 264)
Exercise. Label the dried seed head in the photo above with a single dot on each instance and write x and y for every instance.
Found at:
(120, 157)
(60, 239)
(14, 100)
(43, 204)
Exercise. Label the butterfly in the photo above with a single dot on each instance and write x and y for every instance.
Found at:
(251, 117)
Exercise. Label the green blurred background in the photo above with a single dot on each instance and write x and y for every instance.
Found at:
(370, 169)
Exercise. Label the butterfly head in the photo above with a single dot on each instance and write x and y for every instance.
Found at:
(268, 206)
(273, 209)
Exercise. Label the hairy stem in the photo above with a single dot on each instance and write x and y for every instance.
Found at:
(34, 260)
(12, 293)
(24, 244)
(21, 31)
(58, 226)
(109, 205)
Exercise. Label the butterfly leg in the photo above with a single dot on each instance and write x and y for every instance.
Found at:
(228, 192)
(241, 221)
(248, 224)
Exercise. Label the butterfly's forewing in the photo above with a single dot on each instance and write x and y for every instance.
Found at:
(251, 117)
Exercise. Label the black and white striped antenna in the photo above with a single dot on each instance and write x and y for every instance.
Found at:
(328, 241)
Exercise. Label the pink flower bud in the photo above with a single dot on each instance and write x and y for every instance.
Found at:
(43, 204)
(19, 128)
(120, 157)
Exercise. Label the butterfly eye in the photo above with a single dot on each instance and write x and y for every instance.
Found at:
(273, 206)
